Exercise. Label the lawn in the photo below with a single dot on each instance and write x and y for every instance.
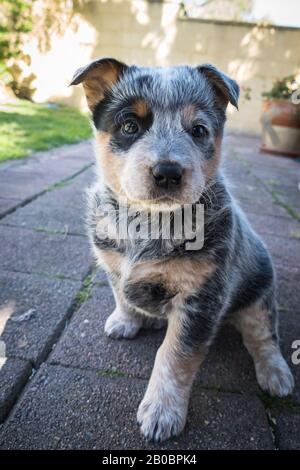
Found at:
(26, 127)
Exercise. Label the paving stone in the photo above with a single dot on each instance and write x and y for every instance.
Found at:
(228, 365)
(292, 201)
(260, 203)
(289, 333)
(35, 174)
(16, 184)
(248, 188)
(71, 409)
(285, 251)
(100, 277)
(81, 152)
(13, 375)
(7, 204)
(33, 311)
(278, 226)
(52, 254)
(288, 280)
(288, 430)
(248, 146)
(62, 209)
(85, 345)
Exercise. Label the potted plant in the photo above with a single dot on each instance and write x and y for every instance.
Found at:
(281, 117)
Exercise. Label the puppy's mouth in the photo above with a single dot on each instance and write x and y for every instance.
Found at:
(161, 202)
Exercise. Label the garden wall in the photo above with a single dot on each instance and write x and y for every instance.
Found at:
(154, 33)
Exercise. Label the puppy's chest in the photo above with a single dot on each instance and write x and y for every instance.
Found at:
(152, 274)
(156, 286)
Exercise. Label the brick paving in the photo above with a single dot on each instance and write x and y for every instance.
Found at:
(63, 383)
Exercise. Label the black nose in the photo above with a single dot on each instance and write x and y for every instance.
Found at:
(167, 174)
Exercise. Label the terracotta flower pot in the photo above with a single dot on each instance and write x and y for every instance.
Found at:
(280, 127)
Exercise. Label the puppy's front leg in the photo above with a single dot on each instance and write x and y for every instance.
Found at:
(162, 412)
(124, 322)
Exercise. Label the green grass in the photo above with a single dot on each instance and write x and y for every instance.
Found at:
(26, 127)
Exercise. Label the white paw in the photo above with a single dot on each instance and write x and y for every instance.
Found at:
(159, 421)
(275, 377)
(118, 326)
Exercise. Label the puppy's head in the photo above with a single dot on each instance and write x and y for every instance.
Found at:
(158, 130)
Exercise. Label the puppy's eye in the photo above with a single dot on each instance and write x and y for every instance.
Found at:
(130, 128)
(199, 131)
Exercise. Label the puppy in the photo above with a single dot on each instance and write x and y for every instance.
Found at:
(158, 135)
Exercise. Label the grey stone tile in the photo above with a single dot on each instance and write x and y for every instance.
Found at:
(16, 184)
(292, 201)
(33, 311)
(62, 209)
(288, 430)
(53, 254)
(7, 205)
(100, 277)
(35, 174)
(258, 202)
(248, 148)
(278, 226)
(285, 251)
(13, 375)
(84, 344)
(228, 366)
(70, 409)
(288, 281)
(289, 333)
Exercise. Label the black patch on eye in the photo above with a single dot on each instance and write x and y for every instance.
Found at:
(104, 118)
(124, 142)
(101, 114)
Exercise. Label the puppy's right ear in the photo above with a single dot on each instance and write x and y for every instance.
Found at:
(97, 78)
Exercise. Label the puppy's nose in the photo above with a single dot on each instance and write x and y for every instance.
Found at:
(167, 174)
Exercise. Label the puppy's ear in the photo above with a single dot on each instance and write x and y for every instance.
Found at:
(226, 88)
(97, 78)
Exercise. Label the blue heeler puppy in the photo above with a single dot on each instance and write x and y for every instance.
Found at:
(158, 135)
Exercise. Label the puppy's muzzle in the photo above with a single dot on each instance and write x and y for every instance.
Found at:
(167, 175)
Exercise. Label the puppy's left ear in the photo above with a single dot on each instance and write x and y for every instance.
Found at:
(226, 88)
(97, 78)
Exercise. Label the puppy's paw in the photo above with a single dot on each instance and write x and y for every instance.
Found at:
(119, 326)
(274, 376)
(159, 421)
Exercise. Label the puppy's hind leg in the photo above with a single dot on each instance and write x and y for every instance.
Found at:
(258, 326)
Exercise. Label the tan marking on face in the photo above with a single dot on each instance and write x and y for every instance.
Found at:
(141, 108)
(213, 163)
(188, 113)
(178, 275)
(111, 164)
